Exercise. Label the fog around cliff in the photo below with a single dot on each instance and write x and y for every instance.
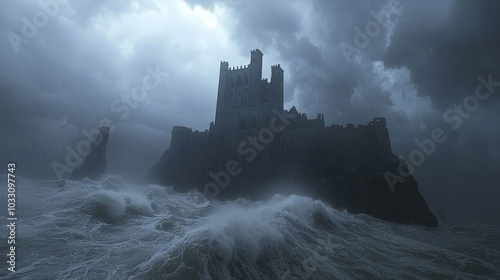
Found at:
(82, 64)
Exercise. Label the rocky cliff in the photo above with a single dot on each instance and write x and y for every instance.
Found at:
(95, 163)
(346, 167)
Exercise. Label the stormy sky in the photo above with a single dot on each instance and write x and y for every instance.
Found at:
(423, 65)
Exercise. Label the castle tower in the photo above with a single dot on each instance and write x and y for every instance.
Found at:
(244, 100)
(277, 86)
(255, 77)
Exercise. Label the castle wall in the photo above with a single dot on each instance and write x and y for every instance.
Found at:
(189, 144)
(245, 104)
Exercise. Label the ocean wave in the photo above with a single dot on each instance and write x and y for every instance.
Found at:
(111, 229)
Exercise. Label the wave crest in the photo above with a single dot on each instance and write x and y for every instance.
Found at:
(111, 207)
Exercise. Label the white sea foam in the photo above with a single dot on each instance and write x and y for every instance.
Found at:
(110, 229)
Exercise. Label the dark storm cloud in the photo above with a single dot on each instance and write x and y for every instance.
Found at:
(445, 55)
(307, 38)
(65, 79)
(418, 66)
(459, 48)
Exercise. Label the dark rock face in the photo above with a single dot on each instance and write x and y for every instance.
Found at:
(343, 166)
(95, 164)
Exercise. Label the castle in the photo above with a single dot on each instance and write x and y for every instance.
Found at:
(246, 103)
(244, 99)
(255, 145)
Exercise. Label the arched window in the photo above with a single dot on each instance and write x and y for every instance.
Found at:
(231, 82)
(246, 79)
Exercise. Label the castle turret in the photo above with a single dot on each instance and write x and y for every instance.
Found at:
(255, 77)
(277, 85)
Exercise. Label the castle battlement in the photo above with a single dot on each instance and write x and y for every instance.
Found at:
(236, 68)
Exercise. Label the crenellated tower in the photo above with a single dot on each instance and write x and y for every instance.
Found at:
(255, 75)
(245, 100)
(277, 86)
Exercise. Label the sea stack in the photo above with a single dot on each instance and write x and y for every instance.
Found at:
(94, 165)
(256, 148)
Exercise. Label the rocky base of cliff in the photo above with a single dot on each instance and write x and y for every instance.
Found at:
(343, 177)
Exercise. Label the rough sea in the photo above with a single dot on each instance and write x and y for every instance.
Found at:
(111, 229)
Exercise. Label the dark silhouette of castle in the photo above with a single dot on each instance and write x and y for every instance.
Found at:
(254, 143)
(244, 99)
(246, 104)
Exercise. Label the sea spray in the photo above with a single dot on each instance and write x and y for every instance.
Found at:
(111, 229)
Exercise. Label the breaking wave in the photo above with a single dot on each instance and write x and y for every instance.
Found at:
(110, 229)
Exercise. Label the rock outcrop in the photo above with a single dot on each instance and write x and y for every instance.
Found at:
(346, 167)
(95, 164)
